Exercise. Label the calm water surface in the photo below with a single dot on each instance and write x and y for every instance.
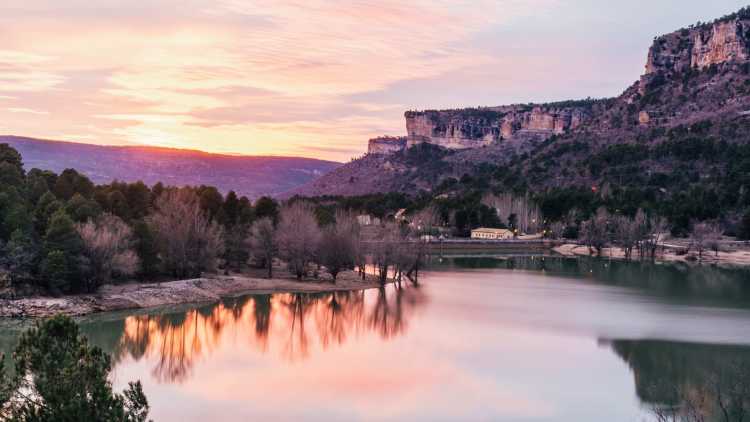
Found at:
(497, 338)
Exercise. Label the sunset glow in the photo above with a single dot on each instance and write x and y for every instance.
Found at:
(313, 78)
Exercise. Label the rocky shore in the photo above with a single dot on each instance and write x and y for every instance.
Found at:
(148, 295)
(730, 258)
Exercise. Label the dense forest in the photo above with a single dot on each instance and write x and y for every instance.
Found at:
(65, 234)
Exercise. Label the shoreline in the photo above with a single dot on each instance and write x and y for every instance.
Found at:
(736, 258)
(131, 296)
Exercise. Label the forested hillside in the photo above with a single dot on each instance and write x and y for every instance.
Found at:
(676, 143)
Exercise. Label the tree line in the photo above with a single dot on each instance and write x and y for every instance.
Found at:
(642, 233)
(63, 234)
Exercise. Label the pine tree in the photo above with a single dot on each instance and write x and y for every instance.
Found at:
(55, 272)
(20, 255)
(59, 377)
(62, 243)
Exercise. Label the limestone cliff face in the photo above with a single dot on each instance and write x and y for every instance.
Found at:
(386, 144)
(724, 41)
(472, 128)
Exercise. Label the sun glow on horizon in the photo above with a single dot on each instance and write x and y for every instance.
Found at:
(315, 78)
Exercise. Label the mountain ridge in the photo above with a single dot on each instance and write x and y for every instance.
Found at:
(252, 176)
(692, 75)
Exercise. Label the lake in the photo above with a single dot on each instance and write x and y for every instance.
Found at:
(523, 338)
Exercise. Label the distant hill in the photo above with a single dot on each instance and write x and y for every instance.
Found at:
(252, 176)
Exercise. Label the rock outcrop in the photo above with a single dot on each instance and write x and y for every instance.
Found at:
(694, 92)
(724, 41)
(386, 145)
(472, 128)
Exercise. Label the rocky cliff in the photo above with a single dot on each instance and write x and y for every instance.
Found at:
(476, 127)
(386, 144)
(666, 132)
(726, 40)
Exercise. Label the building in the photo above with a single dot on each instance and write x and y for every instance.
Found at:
(368, 220)
(491, 234)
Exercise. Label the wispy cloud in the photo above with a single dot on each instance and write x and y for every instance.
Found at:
(309, 77)
(26, 110)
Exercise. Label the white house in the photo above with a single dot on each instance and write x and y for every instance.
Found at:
(491, 234)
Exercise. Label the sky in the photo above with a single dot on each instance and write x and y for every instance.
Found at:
(313, 78)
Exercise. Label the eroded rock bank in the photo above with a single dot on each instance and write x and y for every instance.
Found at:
(149, 295)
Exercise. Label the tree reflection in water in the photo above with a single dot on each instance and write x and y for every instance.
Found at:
(291, 326)
(690, 382)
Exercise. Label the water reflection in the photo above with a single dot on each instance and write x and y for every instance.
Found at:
(291, 325)
(675, 282)
(503, 338)
(701, 378)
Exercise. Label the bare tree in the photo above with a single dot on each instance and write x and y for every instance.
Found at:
(386, 249)
(188, 241)
(706, 235)
(627, 233)
(422, 227)
(338, 245)
(528, 215)
(594, 232)
(360, 254)
(654, 231)
(263, 242)
(298, 236)
(108, 245)
(556, 230)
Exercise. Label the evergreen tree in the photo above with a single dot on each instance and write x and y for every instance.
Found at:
(11, 156)
(231, 209)
(138, 196)
(36, 185)
(211, 202)
(14, 213)
(146, 248)
(20, 255)
(62, 238)
(10, 175)
(70, 182)
(45, 208)
(55, 272)
(60, 377)
(246, 213)
(235, 247)
(118, 205)
(81, 209)
(267, 207)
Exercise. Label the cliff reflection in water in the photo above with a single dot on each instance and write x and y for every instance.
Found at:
(291, 326)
